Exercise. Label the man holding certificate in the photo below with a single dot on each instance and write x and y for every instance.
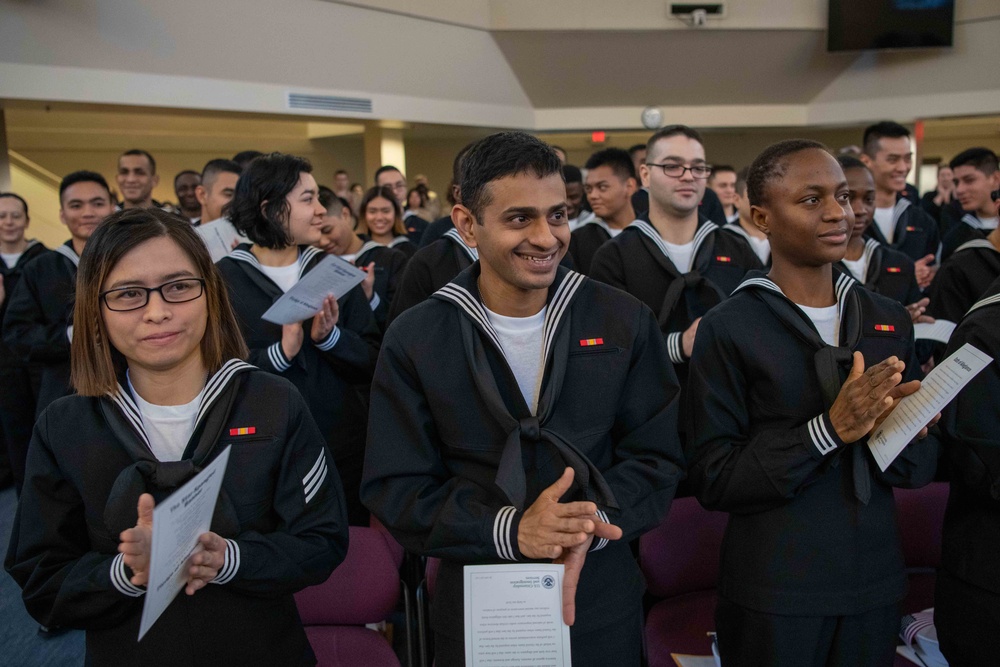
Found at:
(525, 413)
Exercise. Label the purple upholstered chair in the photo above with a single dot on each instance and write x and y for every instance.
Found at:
(680, 559)
(363, 589)
(921, 515)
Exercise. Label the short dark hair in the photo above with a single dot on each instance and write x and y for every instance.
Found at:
(876, 132)
(329, 200)
(19, 198)
(268, 178)
(243, 158)
(385, 168)
(82, 176)
(616, 158)
(218, 166)
(979, 157)
(635, 148)
(186, 171)
(772, 164)
(339, 172)
(850, 162)
(145, 154)
(722, 169)
(456, 164)
(572, 174)
(741, 181)
(673, 131)
(499, 155)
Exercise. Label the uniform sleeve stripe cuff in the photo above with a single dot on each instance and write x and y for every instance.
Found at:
(600, 542)
(501, 532)
(674, 349)
(230, 565)
(820, 436)
(375, 301)
(119, 578)
(277, 358)
(331, 340)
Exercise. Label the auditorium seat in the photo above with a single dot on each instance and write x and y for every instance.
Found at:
(364, 589)
(425, 593)
(680, 560)
(921, 515)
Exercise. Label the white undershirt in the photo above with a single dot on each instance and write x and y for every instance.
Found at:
(883, 218)
(168, 427)
(349, 258)
(614, 232)
(733, 219)
(521, 340)
(988, 223)
(827, 322)
(761, 247)
(10, 259)
(681, 255)
(284, 277)
(858, 267)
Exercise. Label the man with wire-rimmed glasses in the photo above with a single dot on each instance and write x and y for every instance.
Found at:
(674, 260)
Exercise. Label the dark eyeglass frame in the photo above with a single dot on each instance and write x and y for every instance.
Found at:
(707, 168)
(148, 290)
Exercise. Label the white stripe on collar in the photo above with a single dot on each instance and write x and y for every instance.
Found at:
(988, 301)
(368, 245)
(871, 245)
(596, 221)
(977, 243)
(213, 389)
(737, 228)
(973, 221)
(303, 259)
(398, 240)
(897, 210)
(68, 253)
(469, 250)
(842, 288)
(700, 235)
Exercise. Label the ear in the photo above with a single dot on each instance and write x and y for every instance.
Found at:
(156, 180)
(644, 175)
(465, 223)
(631, 186)
(867, 160)
(201, 194)
(62, 217)
(760, 219)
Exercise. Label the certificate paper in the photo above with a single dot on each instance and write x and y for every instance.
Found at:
(178, 522)
(331, 276)
(915, 411)
(513, 616)
(218, 236)
(939, 330)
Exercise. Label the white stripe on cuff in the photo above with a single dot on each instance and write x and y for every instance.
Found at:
(277, 358)
(600, 542)
(231, 564)
(675, 348)
(119, 579)
(820, 436)
(375, 301)
(501, 532)
(331, 340)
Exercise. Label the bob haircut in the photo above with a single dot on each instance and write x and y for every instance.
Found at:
(259, 209)
(96, 364)
(380, 192)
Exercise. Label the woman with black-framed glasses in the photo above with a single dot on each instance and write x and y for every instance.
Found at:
(162, 390)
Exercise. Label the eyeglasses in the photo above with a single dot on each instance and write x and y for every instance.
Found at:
(122, 299)
(676, 170)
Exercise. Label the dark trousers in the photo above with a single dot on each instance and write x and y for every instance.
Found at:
(967, 619)
(618, 644)
(749, 638)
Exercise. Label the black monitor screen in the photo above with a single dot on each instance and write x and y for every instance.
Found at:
(856, 25)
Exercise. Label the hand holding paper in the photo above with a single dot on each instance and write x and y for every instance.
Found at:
(326, 319)
(331, 275)
(206, 561)
(135, 542)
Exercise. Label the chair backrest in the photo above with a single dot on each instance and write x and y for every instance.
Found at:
(397, 548)
(920, 513)
(681, 555)
(431, 575)
(363, 589)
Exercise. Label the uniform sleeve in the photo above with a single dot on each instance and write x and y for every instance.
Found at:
(649, 461)
(27, 330)
(731, 469)
(352, 347)
(64, 582)
(416, 285)
(607, 266)
(266, 355)
(933, 246)
(311, 512)
(428, 509)
(949, 292)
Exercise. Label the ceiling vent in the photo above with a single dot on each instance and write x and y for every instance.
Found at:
(329, 103)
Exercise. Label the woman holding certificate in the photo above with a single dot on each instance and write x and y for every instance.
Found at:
(162, 391)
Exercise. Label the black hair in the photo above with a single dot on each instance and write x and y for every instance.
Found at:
(383, 169)
(268, 178)
(559, 148)
(421, 192)
(218, 166)
(572, 174)
(19, 198)
(873, 133)
(673, 131)
(616, 158)
(339, 172)
(981, 158)
(82, 176)
(145, 154)
(850, 162)
(186, 171)
(741, 181)
(456, 164)
(243, 158)
(333, 204)
(499, 155)
(723, 169)
(635, 148)
(772, 164)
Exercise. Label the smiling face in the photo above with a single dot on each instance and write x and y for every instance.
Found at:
(861, 187)
(891, 163)
(805, 212)
(136, 179)
(395, 180)
(675, 196)
(185, 187)
(973, 188)
(305, 213)
(13, 220)
(160, 336)
(607, 192)
(337, 231)
(84, 206)
(724, 185)
(380, 216)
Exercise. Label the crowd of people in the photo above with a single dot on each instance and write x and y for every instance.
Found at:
(531, 370)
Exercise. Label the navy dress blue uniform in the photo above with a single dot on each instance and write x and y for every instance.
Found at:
(889, 273)
(963, 279)
(915, 233)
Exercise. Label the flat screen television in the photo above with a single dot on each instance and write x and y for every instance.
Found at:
(857, 25)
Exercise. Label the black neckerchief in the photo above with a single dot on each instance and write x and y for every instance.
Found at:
(524, 428)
